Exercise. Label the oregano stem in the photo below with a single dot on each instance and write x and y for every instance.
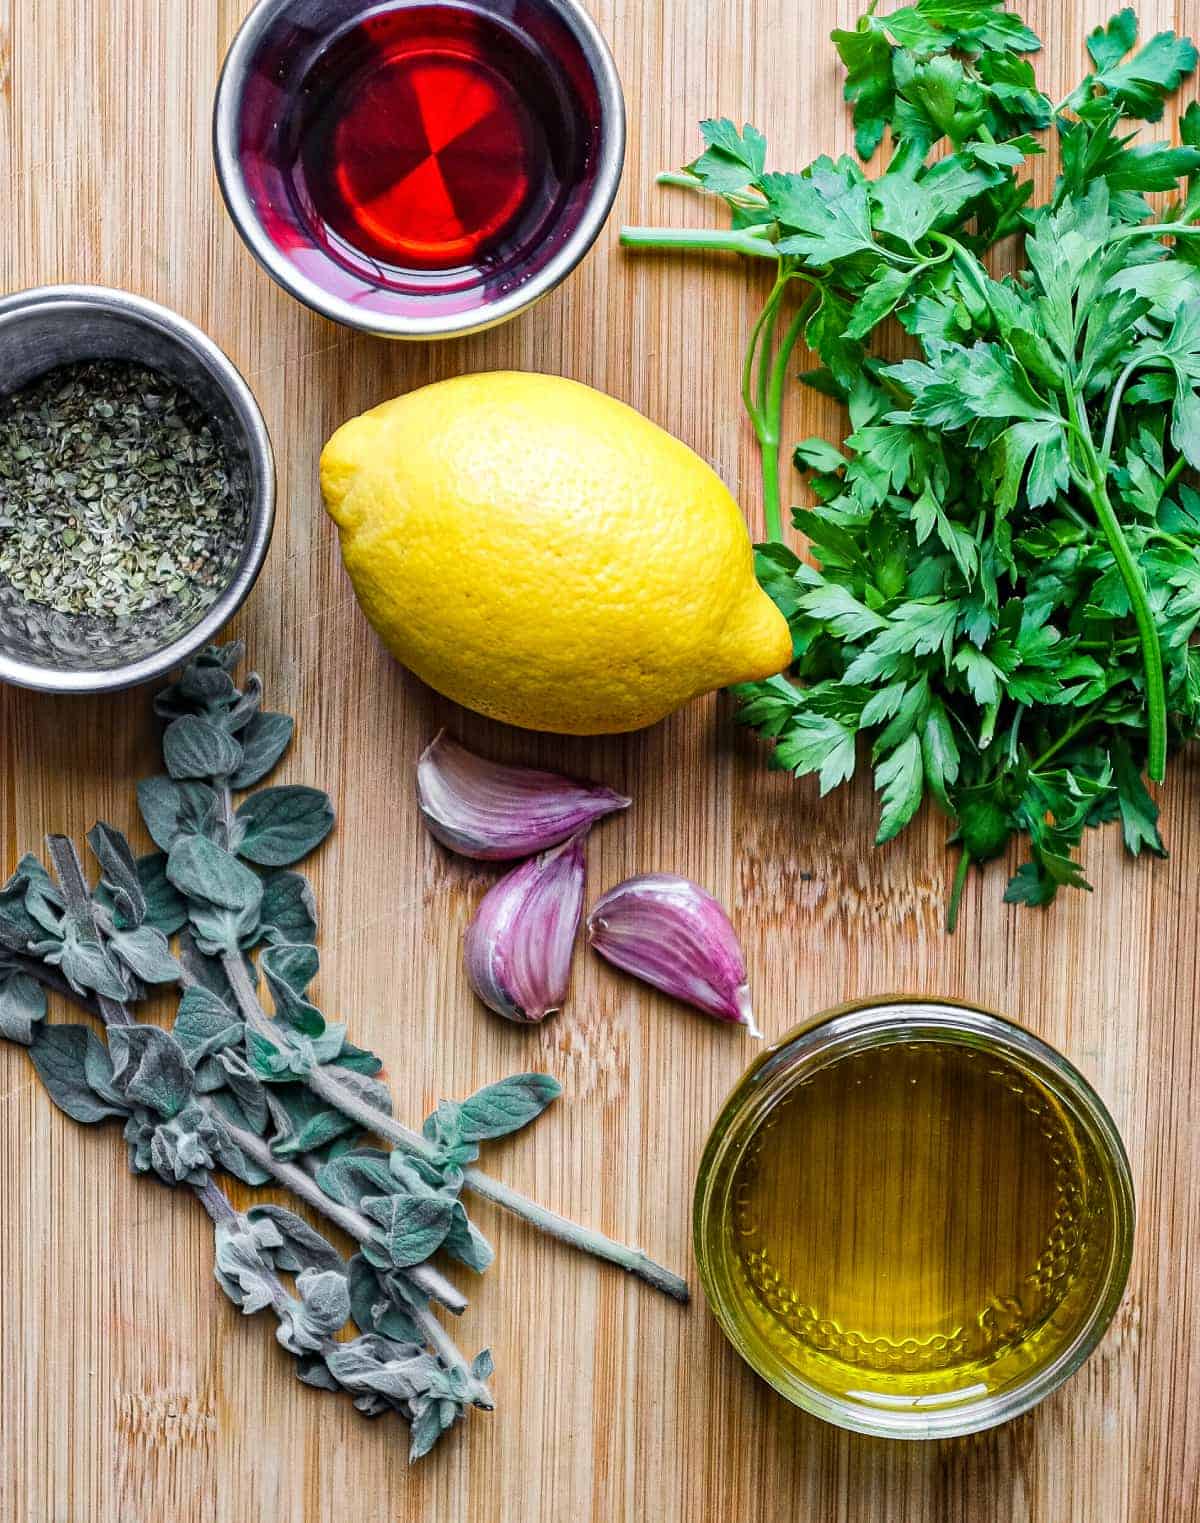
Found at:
(327, 1086)
(215, 1202)
(451, 1356)
(77, 894)
(69, 871)
(353, 1223)
(633, 1260)
(324, 1083)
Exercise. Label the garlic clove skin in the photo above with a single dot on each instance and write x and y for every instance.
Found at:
(495, 813)
(673, 934)
(519, 945)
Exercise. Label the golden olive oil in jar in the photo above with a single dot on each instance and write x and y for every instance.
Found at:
(914, 1218)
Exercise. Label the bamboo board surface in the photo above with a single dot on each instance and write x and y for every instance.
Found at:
(131, 1390)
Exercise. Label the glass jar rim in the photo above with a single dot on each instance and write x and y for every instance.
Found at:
(854, 1027)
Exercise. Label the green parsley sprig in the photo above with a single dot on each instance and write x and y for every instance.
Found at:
(1008, 547)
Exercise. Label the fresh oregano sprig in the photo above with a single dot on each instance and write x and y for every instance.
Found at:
(252, 1079)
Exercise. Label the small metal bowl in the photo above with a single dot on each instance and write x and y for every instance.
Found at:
(264, 80)
(62, 325)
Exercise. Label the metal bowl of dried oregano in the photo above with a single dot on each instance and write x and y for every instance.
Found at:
(137, 489)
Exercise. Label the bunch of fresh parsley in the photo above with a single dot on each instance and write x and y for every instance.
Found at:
(1008, 549)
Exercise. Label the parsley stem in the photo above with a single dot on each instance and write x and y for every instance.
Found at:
(1095, 487)
(755, 398)
(1169, 481)
(766, 413)
(749, 199)
(679, 177)
(774, 413)
(766, 349)
(715, 240)
(1110, 426)
(1067, 736)
(1092, 480)
(956, 893)
(1158, 230)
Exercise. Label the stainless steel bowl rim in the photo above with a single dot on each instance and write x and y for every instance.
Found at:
(260, 510)
(226, 110)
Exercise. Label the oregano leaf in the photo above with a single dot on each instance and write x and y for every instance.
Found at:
(359, 1061)
(373, 1307)
(349, 1178)
(289, 910)
(172, 809)
(303, 1122)
(87, 966)
(300, 1247)
(146, 954)
(150, 1067)
(60, 1055)
(264, 740)
(198, 748)
(240, 1266)
(281, 825)
(22, 1005)
(288, 971)
(204, 1024)
(498, 1109)
(411, 1227)
(165, 906)
(119, 874)
(247, 1089)
(200, 869)
(466, 1243)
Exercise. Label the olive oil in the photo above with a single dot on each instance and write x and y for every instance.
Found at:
(917, 1224)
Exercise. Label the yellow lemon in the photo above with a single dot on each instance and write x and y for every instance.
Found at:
(543, 554)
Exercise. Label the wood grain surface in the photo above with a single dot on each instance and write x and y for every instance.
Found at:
(131, 1391)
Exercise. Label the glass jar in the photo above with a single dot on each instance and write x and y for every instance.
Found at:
(913, 1218)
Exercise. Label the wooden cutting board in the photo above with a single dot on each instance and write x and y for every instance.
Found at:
(132, 1391)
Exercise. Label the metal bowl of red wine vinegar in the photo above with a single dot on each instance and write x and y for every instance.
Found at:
(419, 168)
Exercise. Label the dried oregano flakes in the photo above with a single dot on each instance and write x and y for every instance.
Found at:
(117, 495)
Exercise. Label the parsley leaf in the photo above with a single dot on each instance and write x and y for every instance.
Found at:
(1002, 583)
(1141, 85)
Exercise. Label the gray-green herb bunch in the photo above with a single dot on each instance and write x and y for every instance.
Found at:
(252, 1079)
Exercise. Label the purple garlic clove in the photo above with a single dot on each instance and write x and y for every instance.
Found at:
(673, 934)
(495, 813)
(518, 947)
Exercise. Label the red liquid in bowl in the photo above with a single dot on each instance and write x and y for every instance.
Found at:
(432, 147)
